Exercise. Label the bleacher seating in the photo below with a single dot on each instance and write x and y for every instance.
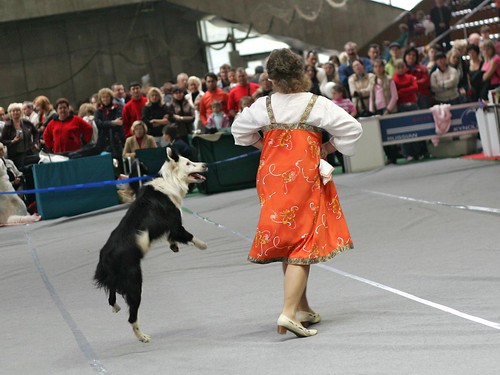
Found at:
(487, 15)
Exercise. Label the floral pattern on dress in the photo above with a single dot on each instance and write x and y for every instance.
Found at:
(284, 140)
(286, 216)
(334, 206)
(301, 220)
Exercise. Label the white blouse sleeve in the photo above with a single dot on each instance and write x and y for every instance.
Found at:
(345, 129)
(246, 126)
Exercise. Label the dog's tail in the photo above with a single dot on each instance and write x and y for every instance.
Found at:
(108, 275)
(101, 276)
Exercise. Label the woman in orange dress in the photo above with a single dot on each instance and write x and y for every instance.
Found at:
(301, 221)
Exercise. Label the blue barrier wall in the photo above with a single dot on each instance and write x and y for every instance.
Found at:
(52, 205)
(419, 125)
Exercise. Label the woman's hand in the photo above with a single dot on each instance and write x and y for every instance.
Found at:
(117, 122)
(259, 144)
(326, 149)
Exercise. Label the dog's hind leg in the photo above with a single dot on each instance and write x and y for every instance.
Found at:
(199, 243)
(112, 301)
(133, 298)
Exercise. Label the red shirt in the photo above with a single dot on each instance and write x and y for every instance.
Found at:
(209, 96)
(421, 73)
(407, 88)
(132, 111)
(238, 92)
(67, 135)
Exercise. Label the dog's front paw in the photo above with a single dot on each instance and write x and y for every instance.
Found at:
(174, 247)
(199, 243)
(116, 308)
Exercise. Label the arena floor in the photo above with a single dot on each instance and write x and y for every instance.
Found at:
(419, 294)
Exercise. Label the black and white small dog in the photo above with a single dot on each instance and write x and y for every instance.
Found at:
(154, 214)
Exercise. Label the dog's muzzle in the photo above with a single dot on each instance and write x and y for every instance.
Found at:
(196, 177)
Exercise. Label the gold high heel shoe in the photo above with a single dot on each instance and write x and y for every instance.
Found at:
(307, 318)
(286, 324)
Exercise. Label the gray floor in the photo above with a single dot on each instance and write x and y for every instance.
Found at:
(419, 294)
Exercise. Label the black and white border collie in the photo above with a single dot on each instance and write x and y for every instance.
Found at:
(154, 214)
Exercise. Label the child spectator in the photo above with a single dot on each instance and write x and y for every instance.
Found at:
(246, 101)
(177, 144)
(346, 104)
(383, 100)
(217, 120)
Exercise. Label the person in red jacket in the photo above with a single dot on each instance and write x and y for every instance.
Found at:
(421, 73)
(243, 88)
(407, 87)
(132, 110)
(66, 132)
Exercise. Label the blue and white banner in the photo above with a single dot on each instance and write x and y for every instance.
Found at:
(419, 125)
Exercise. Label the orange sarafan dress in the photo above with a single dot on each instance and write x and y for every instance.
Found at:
(301, 221)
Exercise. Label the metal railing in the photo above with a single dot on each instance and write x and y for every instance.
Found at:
(459, 22)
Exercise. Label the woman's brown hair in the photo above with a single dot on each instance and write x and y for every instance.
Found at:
(286, 69)
(44, 103)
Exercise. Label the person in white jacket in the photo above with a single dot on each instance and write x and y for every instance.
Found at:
(444, 82)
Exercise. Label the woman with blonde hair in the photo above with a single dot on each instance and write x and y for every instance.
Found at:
(155, 114)
(19, 136)
(108, 119)
(139, 140)
(301, 221)
(194, 89)
(455, 60)
(87, 112)
(491, 67)
(194, 95)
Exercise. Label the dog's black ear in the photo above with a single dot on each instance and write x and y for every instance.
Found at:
(171, 154)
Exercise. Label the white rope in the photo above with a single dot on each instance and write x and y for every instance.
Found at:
(334, 4)
(315, 13)
(307, 17)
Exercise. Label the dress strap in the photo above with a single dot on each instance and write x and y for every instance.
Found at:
(270, 112)
(308, 109)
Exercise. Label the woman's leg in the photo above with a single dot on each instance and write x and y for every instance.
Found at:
(295, 288)
(303, 303)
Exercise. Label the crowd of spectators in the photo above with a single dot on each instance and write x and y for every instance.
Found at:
(120, 119)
